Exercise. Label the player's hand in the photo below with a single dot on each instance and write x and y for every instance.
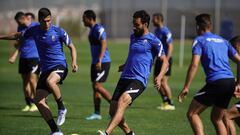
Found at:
(99, 66)
(183, 95)
(11, 60)
(237, 91)
(121, 67)
(74, 67)
(157, 82)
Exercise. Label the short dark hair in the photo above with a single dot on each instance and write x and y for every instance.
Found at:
(43, 13)
(159, 15)
(30, 14)
(90, 14)
(204, 21)
(145, 18)
(18, 15)
(234, 41)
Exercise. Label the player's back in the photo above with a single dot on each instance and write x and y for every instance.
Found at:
(215, 53)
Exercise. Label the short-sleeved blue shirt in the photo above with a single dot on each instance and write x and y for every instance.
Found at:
(165, 36)
(215, 53)
(96, 34)
(50, 45)
(28, 47)
(142, 51)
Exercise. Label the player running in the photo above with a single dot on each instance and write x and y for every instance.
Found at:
(144, 46)
(214, 52)
(165, 36)
(49, 40)
(28, 62)
(233, 114)
(100, 61)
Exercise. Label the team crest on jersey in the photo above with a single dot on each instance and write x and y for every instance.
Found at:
(53, 38)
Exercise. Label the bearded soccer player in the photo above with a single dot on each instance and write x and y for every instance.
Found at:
(144, 46)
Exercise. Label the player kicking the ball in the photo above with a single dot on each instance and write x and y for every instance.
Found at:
(144, 46)
(49, 41)
(214, 52)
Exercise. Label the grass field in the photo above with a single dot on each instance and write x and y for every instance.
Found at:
(143, 117)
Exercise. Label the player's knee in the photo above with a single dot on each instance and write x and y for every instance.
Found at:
(51, 82)
(190, 115)
(125, 99)
(38, 101)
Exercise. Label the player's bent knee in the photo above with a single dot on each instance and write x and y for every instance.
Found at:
(125, 99)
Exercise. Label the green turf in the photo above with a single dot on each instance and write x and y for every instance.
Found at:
(143, 117)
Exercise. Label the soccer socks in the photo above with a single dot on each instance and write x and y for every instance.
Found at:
(130, 133)
(97, 109)
(29, 101)
(60, 104)
(53, 125)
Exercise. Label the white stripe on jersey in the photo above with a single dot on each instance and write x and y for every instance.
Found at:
(169, 36)
(194, 43)
(67, 38)
(101, 30)
(161, 50)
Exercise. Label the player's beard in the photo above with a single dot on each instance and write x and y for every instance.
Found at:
(138, 32)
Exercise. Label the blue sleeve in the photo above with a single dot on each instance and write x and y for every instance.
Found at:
(157, 45)
(231, 51)
(169, 38)
(64, 37)
(196, 48)
(101, 34)
(28, 33)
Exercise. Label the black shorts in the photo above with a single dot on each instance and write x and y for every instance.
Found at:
(133, 87)
(217, 93)
(238, 106)
(28, 65)
(100, 75)
(42, 81)
(158, 66)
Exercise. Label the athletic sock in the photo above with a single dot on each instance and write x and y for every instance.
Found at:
(165, 99)
(130, 133)
(97, 109)
(106, 133)
(52, 125)
(31, 101)
(60, 104)
(169, 101)
(28, 100)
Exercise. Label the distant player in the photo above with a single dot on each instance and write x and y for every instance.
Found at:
(233, 114)
(30, 16)
(165, 36)
(49, 40)
(100, 61)
(214, 52)
(28, 62)
(144, 46)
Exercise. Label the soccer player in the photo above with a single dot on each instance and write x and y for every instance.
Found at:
(28, 62)
(214, 52)
(144, 46)
(49, 40)
(165, 36)
(233, 114)
(30, 16)
(100, 61)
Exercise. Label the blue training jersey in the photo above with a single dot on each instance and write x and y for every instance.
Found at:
(50, 45)
(28, 47)
(215, 53)
(165, 36)
(142, 51)
(96, 35)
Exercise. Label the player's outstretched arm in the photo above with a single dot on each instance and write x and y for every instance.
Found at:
(190, 75)
(164, 68)
(74, 57)
(12, 36)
